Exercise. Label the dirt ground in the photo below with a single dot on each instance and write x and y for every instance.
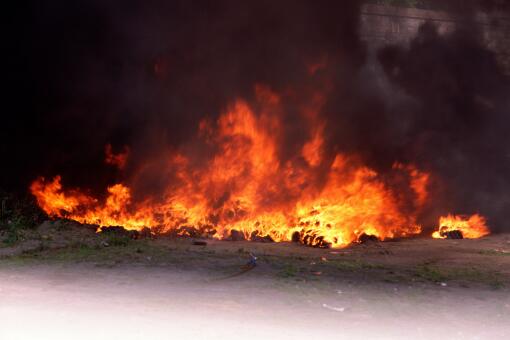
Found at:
(61, 281)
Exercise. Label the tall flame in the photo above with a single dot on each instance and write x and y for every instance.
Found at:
(246, 186)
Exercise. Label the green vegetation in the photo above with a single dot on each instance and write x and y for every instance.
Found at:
(434, 273)
(430, 273)
(491, 252)
(288, 271)
(14, 230)
(117, 240)
(17, 218)
(353, 265)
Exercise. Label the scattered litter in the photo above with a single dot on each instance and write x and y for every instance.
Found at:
(336, 309)
(199, 243)
(316, 273)
(444, 284)
(313, 263)
(323, 259)
(252, 262)
(502, 251)
(105, 244)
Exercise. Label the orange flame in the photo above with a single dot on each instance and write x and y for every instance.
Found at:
(473, 226)
(245, 186)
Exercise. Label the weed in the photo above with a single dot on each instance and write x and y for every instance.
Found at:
(462, 275)
(429, 273)
(118, 240)
(493, 252)
(353, 265)
(11, 237)
(288, 271)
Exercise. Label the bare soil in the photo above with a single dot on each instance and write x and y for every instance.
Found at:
(64, 281)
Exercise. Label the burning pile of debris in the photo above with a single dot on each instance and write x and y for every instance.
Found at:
(459, 227)
(307, 148)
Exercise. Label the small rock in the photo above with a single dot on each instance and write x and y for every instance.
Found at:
(199, 243)
(236, 235)
(364, 238)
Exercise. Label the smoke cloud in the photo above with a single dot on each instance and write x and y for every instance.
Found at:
(144, 74)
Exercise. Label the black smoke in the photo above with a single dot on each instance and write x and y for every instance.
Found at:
(457, 121)
(82, 74)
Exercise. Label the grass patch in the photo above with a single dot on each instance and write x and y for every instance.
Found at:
(469, 275)
(353, 265)
(11, 237)
(118, 240)
(492, 252)
(475, 275)
(76, 253)
(288, 271)
(128, 252)
(430, 273)
(17, 228)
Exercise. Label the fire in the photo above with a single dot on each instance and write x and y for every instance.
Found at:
(473, 226)
(244, 185)
(53, 201)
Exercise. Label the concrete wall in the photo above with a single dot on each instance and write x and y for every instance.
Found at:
(381, 25)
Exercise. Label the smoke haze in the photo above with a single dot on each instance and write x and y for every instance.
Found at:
(145, 74)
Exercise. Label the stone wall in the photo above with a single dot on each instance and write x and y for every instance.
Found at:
(381, 25)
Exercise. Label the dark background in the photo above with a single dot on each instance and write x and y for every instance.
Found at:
(80, 74)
